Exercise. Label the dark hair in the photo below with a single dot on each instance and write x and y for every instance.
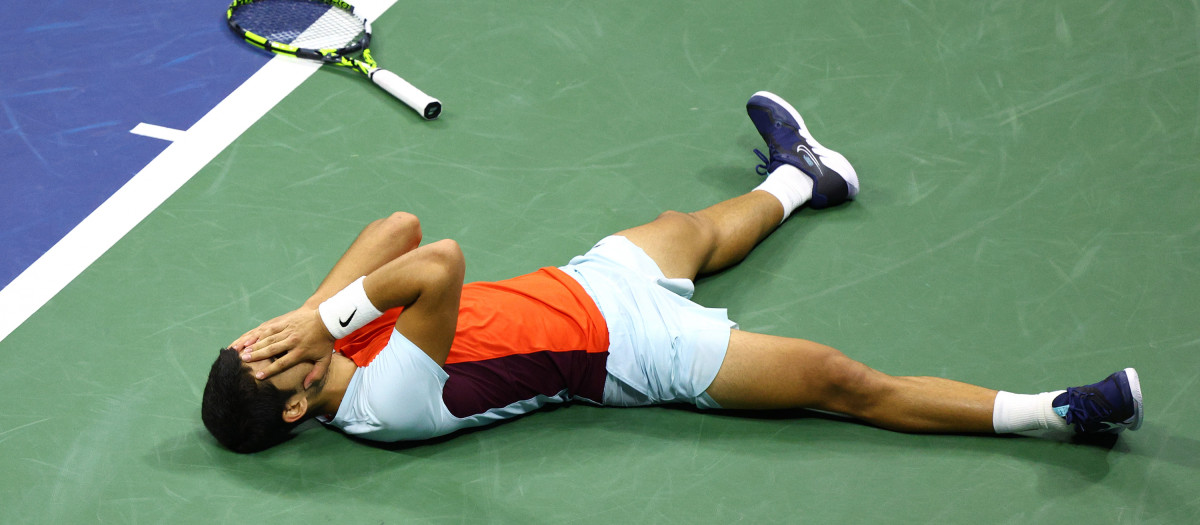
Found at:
(243, 414)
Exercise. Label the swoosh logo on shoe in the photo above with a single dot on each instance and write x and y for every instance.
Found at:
(809, 157)
(1109, 426)
(348, 319)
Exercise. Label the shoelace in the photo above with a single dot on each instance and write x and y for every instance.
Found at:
(761, 169)
(1085, 404)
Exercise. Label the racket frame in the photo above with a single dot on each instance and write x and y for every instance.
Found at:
(335, 56)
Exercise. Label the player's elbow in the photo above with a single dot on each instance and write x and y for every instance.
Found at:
(447, 257)
(401, 227)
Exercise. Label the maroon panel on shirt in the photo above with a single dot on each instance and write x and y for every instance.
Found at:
(475, 387)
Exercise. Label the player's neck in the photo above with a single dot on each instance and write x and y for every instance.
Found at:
(337, 379)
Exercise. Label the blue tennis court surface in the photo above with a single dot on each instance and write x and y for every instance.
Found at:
(90, 72)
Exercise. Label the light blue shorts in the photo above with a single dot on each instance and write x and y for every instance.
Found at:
(663, 348)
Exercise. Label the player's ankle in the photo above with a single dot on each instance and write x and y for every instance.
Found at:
(1019, 413)
(790, 185)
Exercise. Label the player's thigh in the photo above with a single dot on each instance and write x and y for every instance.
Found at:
(768, 372)
(678, 242)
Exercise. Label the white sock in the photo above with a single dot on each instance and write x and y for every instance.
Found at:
(1027, 414)
(790, 185)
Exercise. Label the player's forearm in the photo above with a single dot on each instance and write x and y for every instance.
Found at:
(380, 242)
(430, 270)
(427, 282)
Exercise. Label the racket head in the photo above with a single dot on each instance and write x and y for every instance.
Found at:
(324, 30)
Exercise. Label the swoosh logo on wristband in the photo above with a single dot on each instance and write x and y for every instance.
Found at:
(348, 319)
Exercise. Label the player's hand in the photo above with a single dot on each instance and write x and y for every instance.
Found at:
(295, 337)
(246, 340)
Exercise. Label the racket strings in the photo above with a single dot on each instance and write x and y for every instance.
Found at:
(301, 23)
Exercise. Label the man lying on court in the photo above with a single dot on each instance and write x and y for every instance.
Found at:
(419, 354)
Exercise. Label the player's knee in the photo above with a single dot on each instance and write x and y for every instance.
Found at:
(698, 228)
(853, 388)
(672, 216)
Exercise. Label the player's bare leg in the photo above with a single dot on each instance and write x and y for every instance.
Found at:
(799, 170)
(763, 372)
(768, 372)
(689, 244)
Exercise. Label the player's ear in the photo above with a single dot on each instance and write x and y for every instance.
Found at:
(295, 408)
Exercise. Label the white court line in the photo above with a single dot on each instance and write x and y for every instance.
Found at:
(158, 132)
(155, 183)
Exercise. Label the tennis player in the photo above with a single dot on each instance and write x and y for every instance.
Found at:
(393, 346)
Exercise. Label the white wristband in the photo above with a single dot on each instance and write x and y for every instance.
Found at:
(348, 310)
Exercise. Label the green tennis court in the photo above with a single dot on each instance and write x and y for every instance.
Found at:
(1028, 221)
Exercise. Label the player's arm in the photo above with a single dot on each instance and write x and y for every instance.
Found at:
(426, 281)
(379, 242)
(429, 287)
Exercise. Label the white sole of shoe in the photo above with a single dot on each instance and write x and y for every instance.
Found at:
(1135, 386)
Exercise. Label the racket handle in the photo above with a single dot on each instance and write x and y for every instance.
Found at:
(426, 105)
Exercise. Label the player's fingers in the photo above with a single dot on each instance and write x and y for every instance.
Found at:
(270, 370)
(268, 346)
(264, 329)
(263, 354)
(280, 364)
(272, 350)
(318, 371)
(268, 328)
(244, 341)
(287, 358)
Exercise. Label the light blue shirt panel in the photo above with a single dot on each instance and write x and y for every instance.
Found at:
(398, 397)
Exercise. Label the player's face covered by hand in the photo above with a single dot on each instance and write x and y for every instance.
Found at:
(289, 380)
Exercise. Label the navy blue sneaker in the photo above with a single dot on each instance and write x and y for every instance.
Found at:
(1109, 406)
(789, 142)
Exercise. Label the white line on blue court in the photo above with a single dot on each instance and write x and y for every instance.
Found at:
(189, 152)
(157, 132)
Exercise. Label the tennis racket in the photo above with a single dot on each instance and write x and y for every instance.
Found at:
(325, 30)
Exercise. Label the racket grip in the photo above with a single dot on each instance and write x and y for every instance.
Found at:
(426, 105)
